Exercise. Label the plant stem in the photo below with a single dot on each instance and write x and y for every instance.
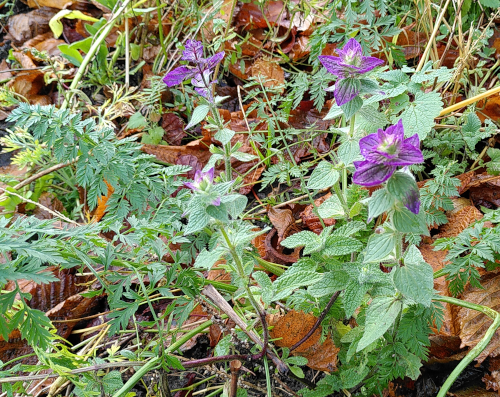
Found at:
(341, 197)
(483, 343)
(93, 49)
(156, 360)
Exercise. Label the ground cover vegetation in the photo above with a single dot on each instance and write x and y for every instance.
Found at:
(250, 198)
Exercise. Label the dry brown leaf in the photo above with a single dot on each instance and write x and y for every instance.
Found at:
(238, 72)
(170, 154)
(492, 380)
(250, 15)
(459, 221)
(50, 201)
(472, 391)
(23, 27)
(473, 324)
(45, 42)
(272, 73)
(490, 110)
(282, 220)
(311, 220)
(274, 251)
(292, 327)
(59, 4)
(174, 129)
(224, 14)
(300, 49)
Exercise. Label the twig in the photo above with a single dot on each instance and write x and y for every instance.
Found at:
(432, 37)
(318, 321)
(53, 212)
(467, 102)
(210, 292)
(235, 367)
(32, 178)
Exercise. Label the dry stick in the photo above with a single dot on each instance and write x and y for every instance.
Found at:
(452, 34)
(318, 321)
(467, 102)
(53, 212)
(235, 367)
(210, 292)
(431, 39)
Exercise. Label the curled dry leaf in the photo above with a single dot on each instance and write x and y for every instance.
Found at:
(174, 129)
(492, 380)
(102, 203)
(45, 43)
(311, 220)
(170, 154)
(192, 161)
(23, 27)
(473, 391)
(272, 73)
(473, 324)
(50, 201)
(292, 327)
(459, 221)
(250, 15)
(489, 110)
(275, 252)
(283, 220)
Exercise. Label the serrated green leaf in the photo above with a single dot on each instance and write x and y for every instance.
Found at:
(419, 117)
(286, 283)
(349, 228)
(324, 175)
(351, 108)
(341, 245)
(244, 157)
(380, 202)
(353, 297)
(267, 289)
(349, 151)
(380, 316)
(333, 281)
(206, 259)
(224, 136)
(223, 346)
(331, 208)
(406, 221)
(301, 239)
(490, 3)
(198, 219)
(199, 114)
(379, 246)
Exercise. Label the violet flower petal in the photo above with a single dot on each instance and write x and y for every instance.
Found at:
(369, 63)
(193, 51)
(371, 174)
(191, 185)
(413, 141)
(211, 62)
(407, 155)
(351, 50)
(178, 75)
(368, 144)
(210, 174)
(412, 201)
(333, 65)
(345, 91)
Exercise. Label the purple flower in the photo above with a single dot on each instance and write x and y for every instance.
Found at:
(384, 151)
(202, 182)
(349, 64)
(199, 70)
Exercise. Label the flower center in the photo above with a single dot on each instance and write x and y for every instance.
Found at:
(352, 59)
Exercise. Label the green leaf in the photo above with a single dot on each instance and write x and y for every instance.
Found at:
(406, 221)
(370, 119)
(223, 346)
(331, 208)
(400, 184)
(244, 157)
(341, 245)
(355, 209)
(206, 259)
(490, 3)
(419, 117)
(286, 283)
(235, 204)
(310, 240)
(334, 112)
(267, 289)
(137, 120)
(351, 108)
(333, 281)
(224, 136)
(218, 212)
(380, 202)
(379, 246)
(493, 166)
(324, 175)
(199, 114)
(198, 219)
(380, 315)
(415, 279)
(349, 228)
(349, 151)
(353, 297)
(297, 371)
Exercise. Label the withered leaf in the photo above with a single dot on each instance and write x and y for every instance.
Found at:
(474, 324)
(174, 129)
(459, 221)
(311, 220)
(292, 327)
(282, 220)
